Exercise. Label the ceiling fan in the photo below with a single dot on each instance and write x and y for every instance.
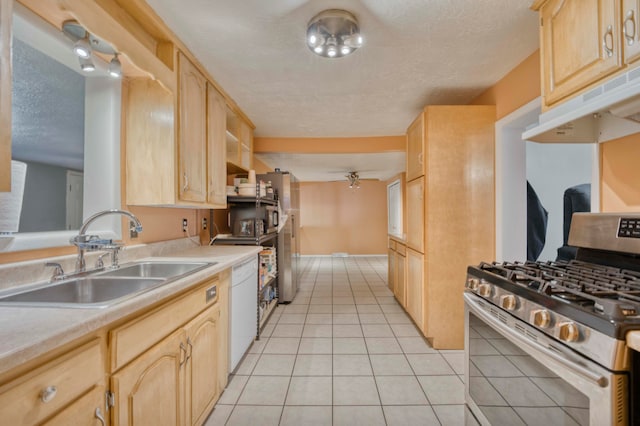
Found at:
(354, 179)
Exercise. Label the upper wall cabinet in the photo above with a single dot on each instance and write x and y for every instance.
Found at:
(415, 149)
(630, 30)
(192, 133)
(5, 94)
(164, 170)
(239, 143)
(580, 43)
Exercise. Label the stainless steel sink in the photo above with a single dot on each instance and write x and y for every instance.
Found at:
(156, 269)
(89, 291)
(101, 289)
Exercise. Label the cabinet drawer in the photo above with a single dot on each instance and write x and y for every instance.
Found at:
(83, 411)
(392, 244)
(61, 381)
(401, 249)
(135, 337)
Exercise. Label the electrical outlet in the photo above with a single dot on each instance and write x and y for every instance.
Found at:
(184, 225)
(204, 223)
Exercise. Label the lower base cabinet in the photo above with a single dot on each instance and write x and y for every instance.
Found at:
(415, 289)
(150, 390)
(87, 411)
(400, 286)
(202, 361)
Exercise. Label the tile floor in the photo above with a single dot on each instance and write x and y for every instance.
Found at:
(344, 352)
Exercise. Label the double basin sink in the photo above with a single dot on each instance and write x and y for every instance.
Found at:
(106, 287)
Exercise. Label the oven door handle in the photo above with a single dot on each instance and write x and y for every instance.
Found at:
(513, 335)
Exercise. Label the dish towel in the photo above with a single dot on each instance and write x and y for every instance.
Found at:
(11, 202)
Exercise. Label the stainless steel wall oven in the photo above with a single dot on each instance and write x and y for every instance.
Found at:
(545, 341)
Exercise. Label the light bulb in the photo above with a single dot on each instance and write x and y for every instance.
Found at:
(82, 48)
(86, 64)
(345, 50)
(313, 39)
(359, 40)
(115, 67)
(332, 51)
(318, 49)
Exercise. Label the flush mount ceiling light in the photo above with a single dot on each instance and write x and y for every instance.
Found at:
(354, 180)
(85, 43)
(333, 33)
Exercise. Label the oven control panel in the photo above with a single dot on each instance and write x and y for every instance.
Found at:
(629, 228)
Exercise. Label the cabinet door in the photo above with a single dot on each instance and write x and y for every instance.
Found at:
(631, 35)
(415, 214)
(223, 330)
(580, 44)
(216, 144)
(391, 271)
(246, 145)
(415, 148)
(6, 20)
(401, 280)
(202, 381)
(192, 138)
(150, 390)
(86, 411)
(415, 287)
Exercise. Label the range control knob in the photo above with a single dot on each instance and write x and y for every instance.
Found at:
(568, 331)
(509, 302)
(541, 318)
(473, 283)
(484, 290)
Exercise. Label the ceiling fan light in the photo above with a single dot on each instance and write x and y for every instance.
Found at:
(318, 49)
(332, 51)
(345, 50)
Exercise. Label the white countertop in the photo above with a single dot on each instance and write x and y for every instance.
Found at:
(28, 332)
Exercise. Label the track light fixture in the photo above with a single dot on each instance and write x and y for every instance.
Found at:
(82, 48)
(115, 67)
(86, 64)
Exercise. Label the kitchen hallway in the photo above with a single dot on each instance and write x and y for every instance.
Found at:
(343, 352)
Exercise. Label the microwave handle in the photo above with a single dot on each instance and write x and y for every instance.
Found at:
(513, 335)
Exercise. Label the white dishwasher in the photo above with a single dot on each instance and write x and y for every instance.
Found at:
(243, 321)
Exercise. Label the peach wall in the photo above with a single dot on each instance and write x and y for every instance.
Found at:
(334, 218)
(260, 167)
(620, 175)
(520, 86)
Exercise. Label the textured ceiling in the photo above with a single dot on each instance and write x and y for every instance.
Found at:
(416, 52)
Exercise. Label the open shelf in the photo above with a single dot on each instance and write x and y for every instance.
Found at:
(267, 311)
(247, 241)
(261, 200)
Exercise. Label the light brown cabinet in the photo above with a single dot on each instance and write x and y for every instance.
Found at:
(88, 410)
(60, 388)
(192, 132)
(415, 149)
(165, 170)
(580, 43)
(189, 366)
(202, 365)
(397, 271)
(630, 31)
(239, 142)
(415, 287)
(150, 390)
(415, 214)
(6, 20)
(450, 217)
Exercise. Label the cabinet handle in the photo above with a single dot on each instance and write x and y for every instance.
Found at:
(629, 35)
(99, 416)
(190, 348)
(183, 349)
(186, 182)
(608, 51)
(420, 159)
(48, 393)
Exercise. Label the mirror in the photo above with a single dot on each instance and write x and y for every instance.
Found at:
(66, 128)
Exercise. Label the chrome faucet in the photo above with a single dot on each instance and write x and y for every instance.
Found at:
(86, 242)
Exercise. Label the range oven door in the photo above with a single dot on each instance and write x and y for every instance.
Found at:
(516, 375)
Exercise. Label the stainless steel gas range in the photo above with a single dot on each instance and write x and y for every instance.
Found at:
(545, 341)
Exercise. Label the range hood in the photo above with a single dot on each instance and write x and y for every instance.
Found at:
(606, 112)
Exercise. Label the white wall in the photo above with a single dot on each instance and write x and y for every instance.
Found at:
(551, 169)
